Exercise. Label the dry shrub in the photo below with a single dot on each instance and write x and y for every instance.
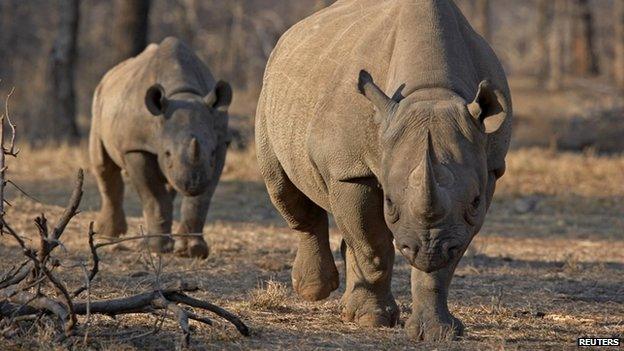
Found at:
(269, 296)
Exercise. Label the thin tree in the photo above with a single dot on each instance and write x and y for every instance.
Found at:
(62, 62)
(544, 19)
(556, 47)
(191, 21)
(130, 27)
(584, 58)
(483, 18)
(619, 43)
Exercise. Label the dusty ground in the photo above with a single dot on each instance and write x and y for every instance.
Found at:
(548, 266)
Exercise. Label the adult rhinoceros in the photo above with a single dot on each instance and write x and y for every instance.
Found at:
(413, 155)
(162, 118)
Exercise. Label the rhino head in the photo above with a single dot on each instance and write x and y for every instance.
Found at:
(190, 128)
(434, 170)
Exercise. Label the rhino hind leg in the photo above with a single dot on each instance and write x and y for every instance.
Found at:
(111, 220)
(369, 253)
(314, 273)
(156, 198)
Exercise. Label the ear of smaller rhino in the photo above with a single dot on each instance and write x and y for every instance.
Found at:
(367, 87)
(220, 97)
(156, 100)
(487, 108)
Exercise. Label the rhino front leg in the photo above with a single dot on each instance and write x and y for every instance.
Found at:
(431, 319)
(369, 253)
(111, 220)
(194, 211)
(156, 198)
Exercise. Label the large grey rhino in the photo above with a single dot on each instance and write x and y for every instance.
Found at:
(162, 118)
(413, 155)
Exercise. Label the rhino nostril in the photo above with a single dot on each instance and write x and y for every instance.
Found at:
(167, 153)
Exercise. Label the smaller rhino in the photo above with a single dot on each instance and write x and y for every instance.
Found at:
(162, 119)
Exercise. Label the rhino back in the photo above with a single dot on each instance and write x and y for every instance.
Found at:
(120, 117)
(309, 95)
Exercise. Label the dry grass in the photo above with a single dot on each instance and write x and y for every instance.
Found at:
(269, 296)
(531, 280)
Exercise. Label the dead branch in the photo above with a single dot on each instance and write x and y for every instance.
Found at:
(25, 298)
(96, 263)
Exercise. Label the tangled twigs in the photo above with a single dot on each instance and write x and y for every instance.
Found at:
(25, 289)
(25, 295)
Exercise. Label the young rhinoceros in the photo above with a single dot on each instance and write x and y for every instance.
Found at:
(418, 167)
(161, 118)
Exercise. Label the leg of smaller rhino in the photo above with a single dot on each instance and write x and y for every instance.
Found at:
(194, 211)
(357, 208)
(111, 221)
(431, 319)
(157, 201)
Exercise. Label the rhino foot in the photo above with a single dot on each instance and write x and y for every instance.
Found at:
(428, 325)
(160, 245)
(368, 311)
(110, 226)
(192, 248)
(314, 276)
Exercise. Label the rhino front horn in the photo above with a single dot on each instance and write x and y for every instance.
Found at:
(194, 150)
(432, 201)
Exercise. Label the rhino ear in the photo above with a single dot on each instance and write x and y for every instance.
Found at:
(155, 100)
(220, 97)
(367, 87)
(487, 108)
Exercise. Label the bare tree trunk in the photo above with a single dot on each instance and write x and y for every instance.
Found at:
(584, 58)
(544, 18)
(130, 26)
(482, 18)
(236, 45)
(61, 68)
(619, 43)
(556, 59)
(191, 21)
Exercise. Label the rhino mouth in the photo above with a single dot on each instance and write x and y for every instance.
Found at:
(430, 259)
(194, 183)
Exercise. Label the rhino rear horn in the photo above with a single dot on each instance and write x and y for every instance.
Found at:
(486, 108)
(368, 88)
(156, 100)
(220, 97)
(194, 150)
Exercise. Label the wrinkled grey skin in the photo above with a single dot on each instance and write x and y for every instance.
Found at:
(419, 168)
(161, 118)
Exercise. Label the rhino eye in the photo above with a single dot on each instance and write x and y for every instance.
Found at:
(473, 211)
(391, 210)
(476, 202)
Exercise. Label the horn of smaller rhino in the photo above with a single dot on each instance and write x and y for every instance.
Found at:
(194, 150)
(432, 202)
